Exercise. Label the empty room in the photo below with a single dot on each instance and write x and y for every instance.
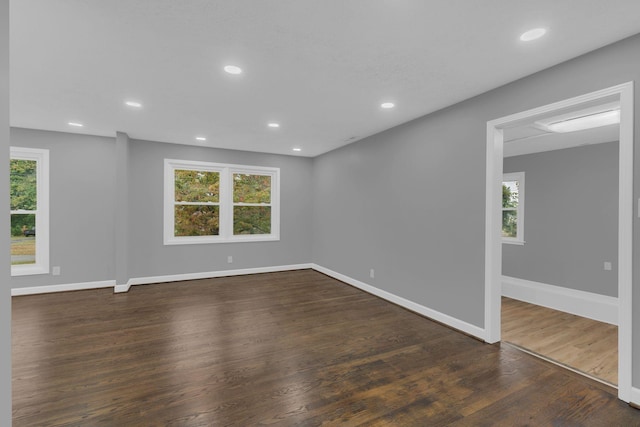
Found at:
(382, 213)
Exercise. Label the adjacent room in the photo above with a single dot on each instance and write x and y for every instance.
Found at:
(320, 213)
(559, 285)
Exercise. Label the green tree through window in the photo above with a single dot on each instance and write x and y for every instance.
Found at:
(512, 203)
(24, 192)
(29, 210)
(197, 197)
(251, 204)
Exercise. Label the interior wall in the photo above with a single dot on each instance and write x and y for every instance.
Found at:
(410, 201)
(570, 219)
(82, 199)
(83, 203)
(402, 203)
(5, 242)
(150, 257)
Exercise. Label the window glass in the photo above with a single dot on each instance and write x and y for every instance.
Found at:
(251, 188)
(251, 198)
(197, 220)
(28, 189)
(512, 207)
(251, 220)
(197, 186)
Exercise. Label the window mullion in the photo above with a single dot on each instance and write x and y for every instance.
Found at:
(226, 200)
(196, 203)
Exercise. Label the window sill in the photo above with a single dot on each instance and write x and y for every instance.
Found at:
(237, 239)
(514, 242)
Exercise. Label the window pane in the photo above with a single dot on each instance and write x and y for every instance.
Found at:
(23, 184)
(509, 223)
(251, 188)
(510, 194)
(251, 220)
(23, 239)
(197, 186)
(197, 220)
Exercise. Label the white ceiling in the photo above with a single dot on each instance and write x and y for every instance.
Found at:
(320, 68)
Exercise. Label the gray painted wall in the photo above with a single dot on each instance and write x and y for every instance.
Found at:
(571, 219)
(5, 291)
(82, 199)
(402, 203)
(409, 202)
(150, 257)
(84, 203)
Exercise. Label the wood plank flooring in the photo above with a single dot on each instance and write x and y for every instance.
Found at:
(580, 343)
(283, 349)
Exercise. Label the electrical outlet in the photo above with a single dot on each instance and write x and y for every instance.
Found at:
(56, 270)
(229, 259)
(372, 273)
(607, 265)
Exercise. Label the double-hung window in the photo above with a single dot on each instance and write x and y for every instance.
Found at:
(216, 203)
(513, 208)
(29, 191)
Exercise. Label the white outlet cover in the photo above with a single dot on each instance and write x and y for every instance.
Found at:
(607, 265)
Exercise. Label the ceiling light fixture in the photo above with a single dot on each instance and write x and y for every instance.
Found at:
(75, 124)
(232, 69)
(274, 125)
(534, 34)
(387, 105)
(201, 138)
(297, 149)
(590, 121)
(133, 104)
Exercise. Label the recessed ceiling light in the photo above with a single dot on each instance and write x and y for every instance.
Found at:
(76, 124)
(232, 69)
(134, 104)
(274, 125)
(387, 105)
(297, 149)
(536, 33)
(201, 138)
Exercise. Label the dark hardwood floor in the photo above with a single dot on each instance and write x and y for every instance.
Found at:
(292, 348)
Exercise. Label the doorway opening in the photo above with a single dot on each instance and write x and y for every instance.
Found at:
(622, 96)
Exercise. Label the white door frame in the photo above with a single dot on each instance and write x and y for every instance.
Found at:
(493, 224)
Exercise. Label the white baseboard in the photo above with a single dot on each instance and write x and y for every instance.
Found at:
(206, 275)
(410, 305)
(586, 304)
(118, 289)
(62, 288)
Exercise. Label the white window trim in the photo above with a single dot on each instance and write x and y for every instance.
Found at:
(226, 202)
(519, 239)
(41, 156)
